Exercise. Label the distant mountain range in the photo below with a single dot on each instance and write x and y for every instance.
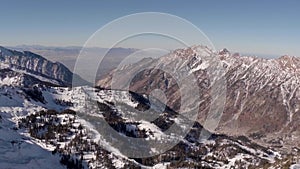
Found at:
(68, 55)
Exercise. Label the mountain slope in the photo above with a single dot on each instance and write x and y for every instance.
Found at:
(35, 65)
(68, 56)
(86, 127)
(19, 151)
(59, 131)
(262, 98)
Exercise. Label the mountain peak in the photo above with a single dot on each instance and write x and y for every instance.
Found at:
(287, 57)
(224, 51)
(31, 54)
(202, 49)
(249, 79)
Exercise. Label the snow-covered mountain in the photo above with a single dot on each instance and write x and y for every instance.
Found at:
(54, 121)
(262, 95)
(37, 66)
(48, 126)
(68, 56)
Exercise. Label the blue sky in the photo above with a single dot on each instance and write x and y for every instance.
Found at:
(259, 26)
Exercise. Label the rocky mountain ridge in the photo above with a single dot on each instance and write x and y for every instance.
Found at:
(36, 65)
(262, 95)
(87, 127)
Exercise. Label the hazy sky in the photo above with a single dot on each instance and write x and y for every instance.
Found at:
(256, 26)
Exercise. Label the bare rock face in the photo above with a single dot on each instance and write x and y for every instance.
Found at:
(36, 65)
(262, 95)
